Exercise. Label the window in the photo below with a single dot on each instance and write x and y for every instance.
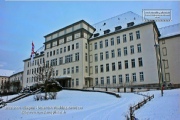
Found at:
(164, 51)
(64, 49)
(134, 77)
(126, 64)
(124, 38)
(72, 46)
(86, 45)
(107, 55)
(77, 57)
(60, 60)
(54, 52)
(77, 82)
(131, 36)
(107, 67)
(60, 50)
(77, 45)
(96, 79)
(132, 49)
(138, 48)
(96, 69)
(119, 65)
(119, 52)
(57, 51)
(165, 62)
(47, 63)
(86, 69)
(102, 68)
(37, 61)
(54, 62)
(68, 71)
(141, 76)
(112, 54)
(127, 78)
(133, 63)
(120, 79)
(113, 67)
(140, 62)
(50, 53)
(108, 80)
(101, 44)
(96, 57)
(102, 80)
(137, 35)
(68, 48)
(112, 41)
(71, 57)
(106, 43)
(72, 82)
(95, 45)
(114, 79)
(72, 70)
(101, 56)
(47, 54)
(64, 71)
(118, 40)
(86, 57)
(125, 51)
(68, 58)
(77, 69)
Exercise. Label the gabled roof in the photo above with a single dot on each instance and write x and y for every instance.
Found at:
(119, 20)
(6, 73)
(169, 31)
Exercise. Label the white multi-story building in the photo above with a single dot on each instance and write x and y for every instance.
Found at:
(123, 54)
(120, 51)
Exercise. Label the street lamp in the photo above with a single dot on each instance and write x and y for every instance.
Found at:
(159, 66)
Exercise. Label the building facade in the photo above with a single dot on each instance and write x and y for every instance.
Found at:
(117, 52)
(3, 80)
(31, 68)
(16, 81)
(169, 46)
(125, 57)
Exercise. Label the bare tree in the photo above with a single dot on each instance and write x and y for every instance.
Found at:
(44, 77)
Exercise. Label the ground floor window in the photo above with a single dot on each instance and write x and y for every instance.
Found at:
(141, 76)
(77, 82)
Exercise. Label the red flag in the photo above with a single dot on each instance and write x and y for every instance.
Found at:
(32, 53)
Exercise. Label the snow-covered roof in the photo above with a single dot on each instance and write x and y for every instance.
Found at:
(119, 20)
(170, 30)
(6, 72)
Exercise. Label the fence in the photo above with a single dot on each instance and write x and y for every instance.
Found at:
(140, 104)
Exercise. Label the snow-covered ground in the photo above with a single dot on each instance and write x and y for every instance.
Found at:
(77, 105)
(6, 98)
(161, 108)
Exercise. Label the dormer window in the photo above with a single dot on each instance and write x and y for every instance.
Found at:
(130, 24)
(97, 34)
(106, 31)
(118, 28)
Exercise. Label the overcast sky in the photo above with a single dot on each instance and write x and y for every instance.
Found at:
(24, 22)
